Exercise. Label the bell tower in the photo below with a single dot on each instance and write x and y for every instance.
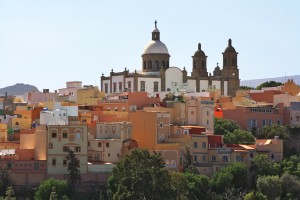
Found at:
(199, 63)
(230, 71)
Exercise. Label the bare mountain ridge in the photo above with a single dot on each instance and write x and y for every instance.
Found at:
(18, 89)
(256, 82)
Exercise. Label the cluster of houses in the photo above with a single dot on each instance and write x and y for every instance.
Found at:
(101, 129)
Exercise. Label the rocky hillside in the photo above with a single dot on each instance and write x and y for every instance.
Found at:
(18, 89)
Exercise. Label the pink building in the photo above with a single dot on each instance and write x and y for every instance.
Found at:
(256, 117)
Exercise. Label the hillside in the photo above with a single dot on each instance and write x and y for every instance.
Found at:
(256, 82)
(18, 89)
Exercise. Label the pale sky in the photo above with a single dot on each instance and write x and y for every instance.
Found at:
(47, 43)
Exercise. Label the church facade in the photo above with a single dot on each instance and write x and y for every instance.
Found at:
(157, 77)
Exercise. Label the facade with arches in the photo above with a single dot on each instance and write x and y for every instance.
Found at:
(157, 77)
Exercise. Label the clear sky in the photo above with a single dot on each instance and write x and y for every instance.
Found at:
(47, 43)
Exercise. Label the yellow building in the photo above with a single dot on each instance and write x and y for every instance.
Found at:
(89, 95)
(109, 141)
(3, 132)
(60, 138)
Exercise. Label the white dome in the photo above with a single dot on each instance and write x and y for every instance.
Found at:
(156, 46)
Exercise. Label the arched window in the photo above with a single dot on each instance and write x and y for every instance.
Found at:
(203, 64)
(145, 65)
(224, 61)
(156, 64)
(163, 64)
(149, 64)
(167, 64)
(194, 64)
(233, 61)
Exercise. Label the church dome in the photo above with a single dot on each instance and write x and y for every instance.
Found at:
(156, 47)
(230, 48)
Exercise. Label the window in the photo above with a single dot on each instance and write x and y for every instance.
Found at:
(129, 84)
(78, 149)
(116, 109)
(279, 122)
(195, 145)
(150, 64)
(123, 109)
(99, 144)
(100, 129)
(54, 134)
(120, 86)
(114, 129)
(64, 162)
(239, 158)
(142, 83)
(251, 155)
(213, 158)
(264, 122)
(155, 87)
(107, 144)
(106, 129)
(106, 88)
(78, 135)
(195, 158)
(207, 122)
(65, 149)
(89, 144)
(203, 145)
(163, 64)
(53, 162)
(156, 64)
(144, 65)
(108, 154)
(50, 145)
(207, 113)
(270, 122)
(114, 87)
(225, 158)
(203, 158)
(160, 124)
(65, 134)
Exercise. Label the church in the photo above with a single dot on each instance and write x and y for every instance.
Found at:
(157, 77)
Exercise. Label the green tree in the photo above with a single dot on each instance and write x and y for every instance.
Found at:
(262, 165)
(239, 172)
(239, 136)
(291, 186)
(53, 194)
(255, 196)
(221, 181)
(233, 193)
(73, 167)
(4, 180)
(10, 193)
(179, 186)
(140, 175)
(269, 132)
(269, 84)
(45, 188)
(269, 186)
(198, 186)
(224, 126)
(246, 88)
(188, 162)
